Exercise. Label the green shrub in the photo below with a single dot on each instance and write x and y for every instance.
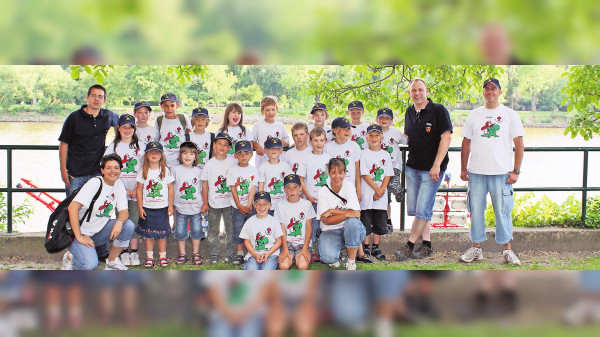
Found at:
(20, 213)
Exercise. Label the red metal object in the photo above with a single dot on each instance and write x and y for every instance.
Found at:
(38, 195)
(447, 210)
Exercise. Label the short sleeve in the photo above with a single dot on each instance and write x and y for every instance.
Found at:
(67, 131)
(516, 128)
(246, 232)
(189, 124)
(169, 176)
(467, 130)
(87, 192)
(277, 231)
(121, 196)
(323, 201)
(363, 164)
(204, 174)
(443, 120)
(261, 173)
(110, 149)
(285, 135)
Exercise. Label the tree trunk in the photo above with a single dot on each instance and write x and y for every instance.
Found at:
(533, 102)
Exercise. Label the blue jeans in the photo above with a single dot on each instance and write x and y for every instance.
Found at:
(502, 200)
(238, 223)
(332, 241)
(271, 263)
(77, 182)
(420, 193)
(85, 258)
(316, 224)
(220, 326)
(181, 227)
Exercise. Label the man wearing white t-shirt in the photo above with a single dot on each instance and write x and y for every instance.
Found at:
(489, 134)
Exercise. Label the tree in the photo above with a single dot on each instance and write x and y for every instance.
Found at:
(583, 99)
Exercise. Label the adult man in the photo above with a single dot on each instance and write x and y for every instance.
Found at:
(489, 133)
(429, 130)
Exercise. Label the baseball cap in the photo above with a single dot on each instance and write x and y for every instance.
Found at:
(385, 112)
(154, 146)
(273, 142)
(342, 122)
(356, 105)
(140, 104)
(188, 144)
(199, 111)
(291, 179)
(126, 119)
(374, 127)
(168, 97)
(318, 106)
(492, 80)
(243, 145)
(223, 135)
(262, 196)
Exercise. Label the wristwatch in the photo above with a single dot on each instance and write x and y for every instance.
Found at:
(517, 171)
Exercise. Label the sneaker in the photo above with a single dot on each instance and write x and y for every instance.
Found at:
(511, 258)
(214, 259)
(351, 265)
(134, 259)
(335, 265)
(229, 259)
(422, 252)
(115, 265)
(472, 254)
(404, 253)
(67, 261)
(238, 260)
(125, 258)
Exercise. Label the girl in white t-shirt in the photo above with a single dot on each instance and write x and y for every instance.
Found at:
(127, 146)
(155, 195)
(233, 125)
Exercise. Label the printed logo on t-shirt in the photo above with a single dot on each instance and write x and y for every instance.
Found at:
(359, 140)
(238, 291)
(295, 168)
(491, 127)
(154, 189)
(171, 140)
(262, 241)
(387, 148)
(106, 208)
(322, 178)
(295, 226)
(276, 185)
(242, 186)
(148, 138)
(188, 191)
(376, 172)
(129, 164)
(221, 184)
(347, 154)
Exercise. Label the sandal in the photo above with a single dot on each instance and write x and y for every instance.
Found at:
(378, 254)
(163, 262)
(149, 263)
(181, 259)
(197, 259)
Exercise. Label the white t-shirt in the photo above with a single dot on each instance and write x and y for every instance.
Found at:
(111, 199)
(326, 128)
(314, 171)
(378, 165)
(236, 133)
(328, 200)
(203, 143)
(156, 189)
(172, 134)
(391, 139)
(359, 135)
(491, 132)
(147, 135)
(295, 158)
(237, 289)
(263, 130)
(293, 216)
(242, 179)
(215, 173)
(132, 163)
(350, 152)
(272, 175)
(188, 189)
(262, 234)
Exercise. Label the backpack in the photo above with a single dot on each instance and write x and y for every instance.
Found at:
(59, 234)
(181, 117)
(212, 140)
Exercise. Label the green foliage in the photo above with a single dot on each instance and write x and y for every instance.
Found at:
(583, 98)
(20, 213)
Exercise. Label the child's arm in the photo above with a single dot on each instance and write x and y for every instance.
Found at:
(140, 195)
(309, 197)
(259, 149)
(274, 248)
(236, 199)
(261, 187)
(251, 250)
(204, 207)
(307, 236)
(357, 180)
(171, 198)
(284, 248)
(384, 185)
(367, 178)
(251, 194)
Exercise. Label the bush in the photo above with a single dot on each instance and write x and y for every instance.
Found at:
(20, 213)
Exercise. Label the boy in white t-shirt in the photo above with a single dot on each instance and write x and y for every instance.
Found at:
(319, 114)
(356, 111)
(347, 150)
(272, 172)
(376, 170)
(171, 128)
(202, 138)
(297, 154)
(295, 216)
(146, 133)
(217, 198)
(262, 236)
(268, 128)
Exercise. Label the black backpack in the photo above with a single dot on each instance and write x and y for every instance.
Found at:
(59, 234)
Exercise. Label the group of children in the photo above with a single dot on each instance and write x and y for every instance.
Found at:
(178, 168)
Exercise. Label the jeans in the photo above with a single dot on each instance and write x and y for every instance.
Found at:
(181, 227)
(332, 241)
(502, 201)
(420, 193)
(85, 258)
(316, 224)
(214, 220)
(238, 223)
(271, 263)
(221, 327)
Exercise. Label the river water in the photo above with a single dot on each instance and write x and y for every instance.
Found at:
(539, 169)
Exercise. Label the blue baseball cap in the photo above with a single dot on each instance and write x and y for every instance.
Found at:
(243, 145)
(154, 146)
(342, 122)
(318, 106)
(262, 196)
(127, 119)
(356, 105)
(291, 179)
(374, 127)
(492, 80)
(385, 112)
(199, 112)
(140, 104)
(273, 142)
(223, 135)
(168, 97)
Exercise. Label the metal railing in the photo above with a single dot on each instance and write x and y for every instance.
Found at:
(583, 189)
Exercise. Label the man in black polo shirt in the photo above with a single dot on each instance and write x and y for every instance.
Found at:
(429, 130)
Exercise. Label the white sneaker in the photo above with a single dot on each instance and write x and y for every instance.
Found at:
(125, 258)
(335, 265)
(472, 254)
(351, 265)
(115, 265)
(134, 259)
(510, 257)
(67, 261)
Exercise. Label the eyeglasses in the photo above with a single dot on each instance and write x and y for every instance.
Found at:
(97, 96)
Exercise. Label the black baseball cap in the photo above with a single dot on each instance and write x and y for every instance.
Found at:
(342, 122)
(356, 105)
(492, 80)
(318, 106)
(168, 97)
(140, 104)
(262, 196)
(385, 112)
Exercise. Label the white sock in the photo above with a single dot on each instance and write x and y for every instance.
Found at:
(150, 254)
(162, 255)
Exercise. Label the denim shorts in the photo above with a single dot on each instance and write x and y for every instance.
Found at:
(420, 193)
(238, 223)
(181, 227)
(271, 264)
